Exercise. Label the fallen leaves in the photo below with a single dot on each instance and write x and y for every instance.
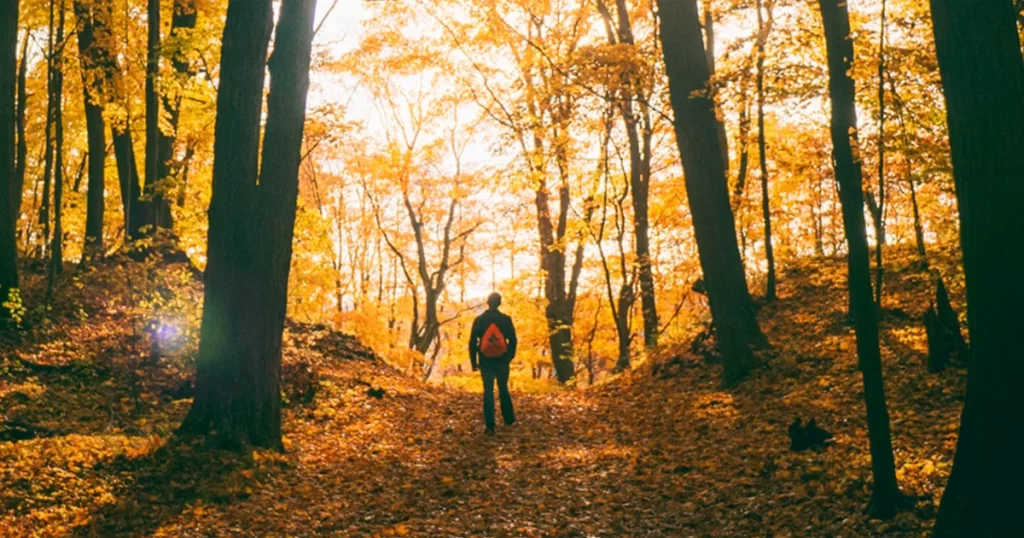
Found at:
(646, 455)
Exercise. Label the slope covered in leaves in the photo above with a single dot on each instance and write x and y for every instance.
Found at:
(660, 451)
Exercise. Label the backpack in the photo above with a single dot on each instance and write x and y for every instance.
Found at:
(493, 344)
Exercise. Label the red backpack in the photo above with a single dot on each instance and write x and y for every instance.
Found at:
(493, 343)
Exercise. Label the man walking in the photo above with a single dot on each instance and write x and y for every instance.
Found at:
(492, 346)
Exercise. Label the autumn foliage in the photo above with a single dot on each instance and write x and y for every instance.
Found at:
(243, 242)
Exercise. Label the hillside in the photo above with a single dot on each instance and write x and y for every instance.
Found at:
(659, 451)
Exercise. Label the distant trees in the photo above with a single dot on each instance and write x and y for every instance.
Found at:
(983, 79)
(886, 497)
(700, 148)
(633, 100)
(252, 217)
(8, 215)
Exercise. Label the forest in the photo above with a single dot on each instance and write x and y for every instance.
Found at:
(762, 258)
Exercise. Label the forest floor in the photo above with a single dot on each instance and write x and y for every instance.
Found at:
(659, 451)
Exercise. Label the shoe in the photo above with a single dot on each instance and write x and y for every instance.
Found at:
(489, 431)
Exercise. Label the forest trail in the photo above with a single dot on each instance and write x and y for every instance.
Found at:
(659, 451)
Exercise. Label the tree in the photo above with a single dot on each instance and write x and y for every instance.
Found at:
(621, 304)
(709, 37)
(686, 65)
(762, 37)
(57, 98)
(155, 202)
(983, 80)
(22, 146)
(238, 370)
(886, 497)
(877, 208)
(94, 61)
(183, 21)
(634, 106)
(8, 61)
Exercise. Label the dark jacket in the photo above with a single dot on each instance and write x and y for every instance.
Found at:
(480, 325)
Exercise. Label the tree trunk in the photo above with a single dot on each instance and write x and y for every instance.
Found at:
(91, 58)
(639, 131)
(983, 79)
(557, 313)
(908, 143)
(128, 179)
(57, 248)
(918, 229)
(251, 226)
(886, 497)
(769, 252)
(709, 35)
(44, 206)
(8, 214)
(22, 147)
(183, 21)
(744, 142)
(155, 201)
(696, 134)
(879, 215)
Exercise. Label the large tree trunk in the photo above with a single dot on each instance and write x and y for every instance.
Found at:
(238, 400)
(766, 213)
(183, 21)
(91, 56)
(696, 134)
(886, 497)
(983, 79)
(232, 400)
(8, 216)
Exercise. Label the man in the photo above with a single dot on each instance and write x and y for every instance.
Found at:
(492, 346)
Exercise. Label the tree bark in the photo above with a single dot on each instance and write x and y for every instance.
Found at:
(696, 134)
(982, 73)
(21, 149)
(57, 248)
(91, 57)
(128, 179)
(251, 226)
(48, 154)
(766, 213)
(155, 201)
(886, 497)
(183, 21)
(8, 214)
(879, 215)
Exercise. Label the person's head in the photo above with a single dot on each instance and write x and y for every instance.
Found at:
(494, 301)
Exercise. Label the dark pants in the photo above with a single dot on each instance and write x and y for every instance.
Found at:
(491, 369)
